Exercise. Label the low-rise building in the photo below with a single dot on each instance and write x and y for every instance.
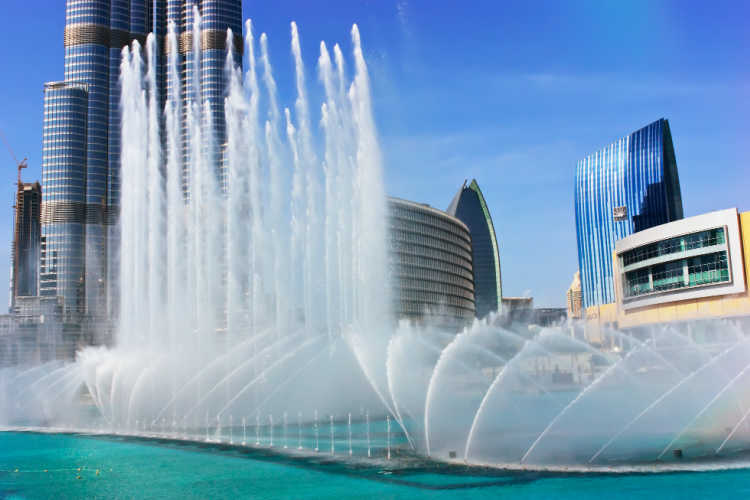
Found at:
(691, 269)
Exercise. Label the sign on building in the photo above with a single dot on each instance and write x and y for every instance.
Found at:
(620, 213)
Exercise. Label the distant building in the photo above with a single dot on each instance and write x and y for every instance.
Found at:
(626, 187)
(430, 260)
(573, 297)
(549, 316)
(9, 346)
(27, 234)
(40, 331)
(469, 206)
(518, 308)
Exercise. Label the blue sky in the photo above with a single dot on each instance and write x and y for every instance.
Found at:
(512, 93)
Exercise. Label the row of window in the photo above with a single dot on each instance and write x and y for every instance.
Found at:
(701, 270)
(400, 247)
(429, 231)
(412, 260)
(410, 283)
(431, 274)
(702, 239)
(424, 218)
(434, 298)
(409, 238)
(418, 309)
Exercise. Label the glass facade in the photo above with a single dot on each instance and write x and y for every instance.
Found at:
(626, 187)
(95, 33)
(687, 261)
(431, 263)
(216, 17)
(470, 208)
(64, 145)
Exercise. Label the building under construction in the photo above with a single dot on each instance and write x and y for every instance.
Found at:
(26, 242)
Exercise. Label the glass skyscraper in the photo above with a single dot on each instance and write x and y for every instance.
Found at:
(469, 207)
(95, 33)
(64, 142)
(626, 187)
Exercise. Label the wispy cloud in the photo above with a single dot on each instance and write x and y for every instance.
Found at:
(626, 84)
(403, 18)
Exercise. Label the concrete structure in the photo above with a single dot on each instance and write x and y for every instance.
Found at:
(691, 269)
(469, 207)
(626, 187)
(27, 233)
(431, 264)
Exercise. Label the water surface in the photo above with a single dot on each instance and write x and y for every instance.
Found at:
(72, 466)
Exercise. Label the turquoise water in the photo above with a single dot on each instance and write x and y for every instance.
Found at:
(69, 466)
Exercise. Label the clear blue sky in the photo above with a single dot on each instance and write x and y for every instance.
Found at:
(512, 93)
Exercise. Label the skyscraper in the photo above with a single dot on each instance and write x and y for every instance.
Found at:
(469, 207)
(626, 187)
(26, 241)
(64, 195)
(95, 33)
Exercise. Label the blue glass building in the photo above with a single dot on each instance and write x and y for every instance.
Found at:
(626, 187)
(95, 33)
(469, 207)
(64, 144)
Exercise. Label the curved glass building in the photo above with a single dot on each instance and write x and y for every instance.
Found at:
(430, 259)
(469, 207)
(64, 144)
(626, 187)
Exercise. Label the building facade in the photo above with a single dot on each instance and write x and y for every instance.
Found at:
(469, 206)
(695, 269)
(64, 143)
(84, 208)
(27, 233)
(431, 264)
(626, 187)
(689, 269)
(574, 297)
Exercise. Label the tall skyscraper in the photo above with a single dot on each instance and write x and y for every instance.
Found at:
(626, 187)
(64, 195)
(469, 207)
(26, 241)
(82, 212)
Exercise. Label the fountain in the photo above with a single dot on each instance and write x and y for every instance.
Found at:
(349, 432)
(285, 431)
(333, 440)
(259, 283)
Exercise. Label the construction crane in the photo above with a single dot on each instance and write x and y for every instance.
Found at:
(20, 164)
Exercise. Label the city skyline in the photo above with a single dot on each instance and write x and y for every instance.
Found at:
(530, 177)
